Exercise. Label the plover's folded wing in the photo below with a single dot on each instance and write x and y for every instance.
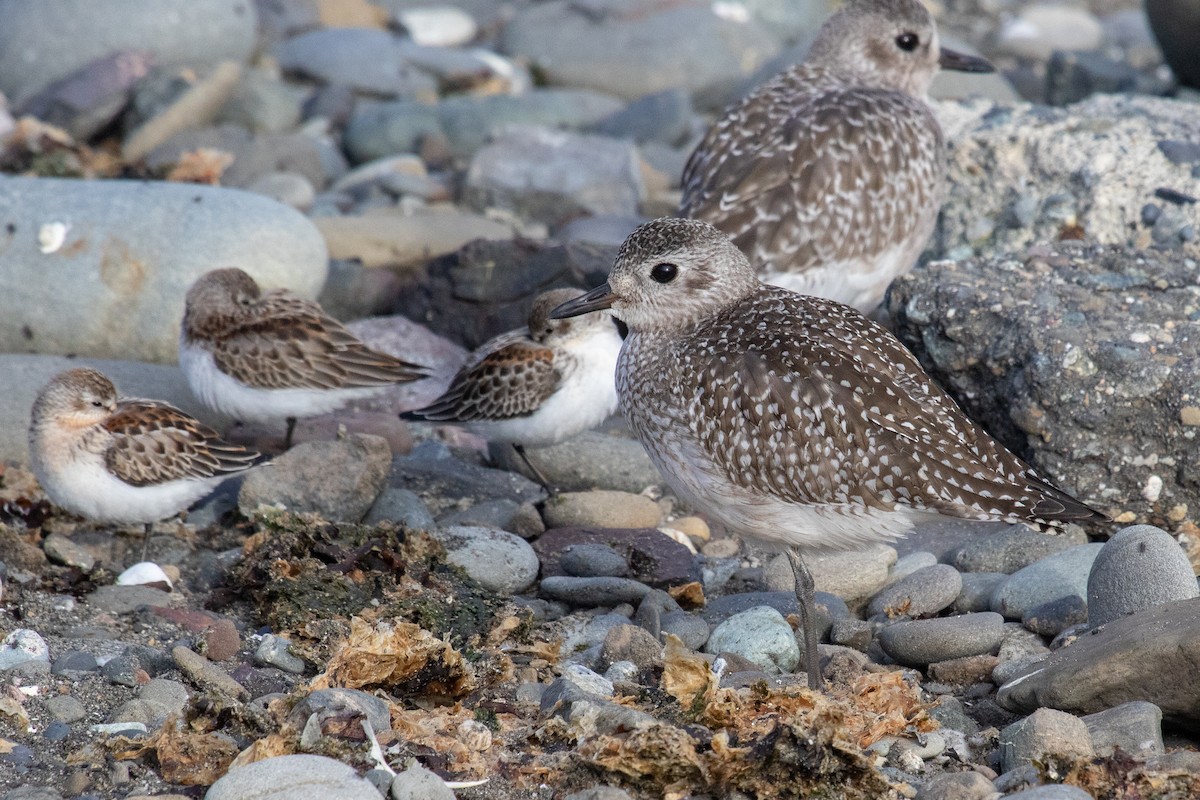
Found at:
(837, 169)
(154, 443)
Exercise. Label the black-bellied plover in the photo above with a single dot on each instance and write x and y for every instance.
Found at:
(537, 385)
(123, 460)
(266, 356)
(830, 176)
(795, 420)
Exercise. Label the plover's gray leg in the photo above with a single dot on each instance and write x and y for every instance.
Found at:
(806, 597)
(291, 428)
(146, 539)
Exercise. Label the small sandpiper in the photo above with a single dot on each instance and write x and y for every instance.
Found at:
(265, 356)
(830, 176)
(123, 460)
(795, 420)
(537, 385)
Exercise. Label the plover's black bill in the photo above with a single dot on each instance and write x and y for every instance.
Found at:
(599, 298)
(961, 62)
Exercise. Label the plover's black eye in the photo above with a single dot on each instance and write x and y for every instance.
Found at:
(664, 272)
(98, 403)
(907, 41)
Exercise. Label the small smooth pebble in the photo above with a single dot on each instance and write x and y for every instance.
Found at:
(21, 646)
(924, 592)
(294, 777)
(593, 591)
(497, 560)
(1044, 732)
(1056, 576)
(593, 560)
(760, 635)
(275, 651)
(418, 783)
(921, 642)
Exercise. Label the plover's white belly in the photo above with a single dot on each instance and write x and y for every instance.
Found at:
(233, 398)
(860, 282)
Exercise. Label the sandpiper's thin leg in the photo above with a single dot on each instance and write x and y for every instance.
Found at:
(146, 539)
(291, 428)
(806, 597)
(537, 473)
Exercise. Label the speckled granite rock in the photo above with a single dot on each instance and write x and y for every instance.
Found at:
(1081, 358)
(1025, 174)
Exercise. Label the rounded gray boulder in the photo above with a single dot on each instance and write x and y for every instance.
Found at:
(1141, 566)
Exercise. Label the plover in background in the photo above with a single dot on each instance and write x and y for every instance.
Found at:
(830, 176)
(267, 356)
(794, 420)
(537, 385)
(123, 460)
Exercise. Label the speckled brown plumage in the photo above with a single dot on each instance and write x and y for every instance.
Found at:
(278, 340)
(152, 442)
(795, 420)
(123, 460)
(507, 383)
(829, 177)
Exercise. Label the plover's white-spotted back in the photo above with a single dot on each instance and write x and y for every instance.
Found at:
(123, 460)
(791, 419)
(830, 176)
(267, 356)
(538, 385)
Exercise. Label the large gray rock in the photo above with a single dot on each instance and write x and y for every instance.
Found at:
(338, 480)
(635, 48)
(365, 59)
(1080, 358)
(25, 375)
(1030, 174)
(44, 41)
(1043, 733)
(554, 176)
(499, 561)
(1141, 566)
(1138, 657)
(376, 130)
(112, 285)
(1058, 575)
(299, 777)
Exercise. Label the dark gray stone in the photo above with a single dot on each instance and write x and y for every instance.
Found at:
(74, 661)
(1135, 728)
(1056, 791)
(593, 560)
(1065, 356)
(593, 591)
(1052, 618)
(925, 641)
(1009, 549)
(924, 592)
(368, 60)
(554, 176)
(1054, 577)
(1175, 23)
(444, 481)
(663, 116)
(1109, 666)
(1044, 732)
(337, 701)
(339, 479)
(977, 590)
(1073, 76)
(1139, 567)
(607, 47)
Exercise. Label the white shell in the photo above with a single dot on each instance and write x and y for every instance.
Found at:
(142, 573)
(51, 236)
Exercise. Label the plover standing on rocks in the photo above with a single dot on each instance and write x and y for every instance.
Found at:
(795, 420)
(123, 460)
(537, 385)
(265, 356)
(830, 176)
